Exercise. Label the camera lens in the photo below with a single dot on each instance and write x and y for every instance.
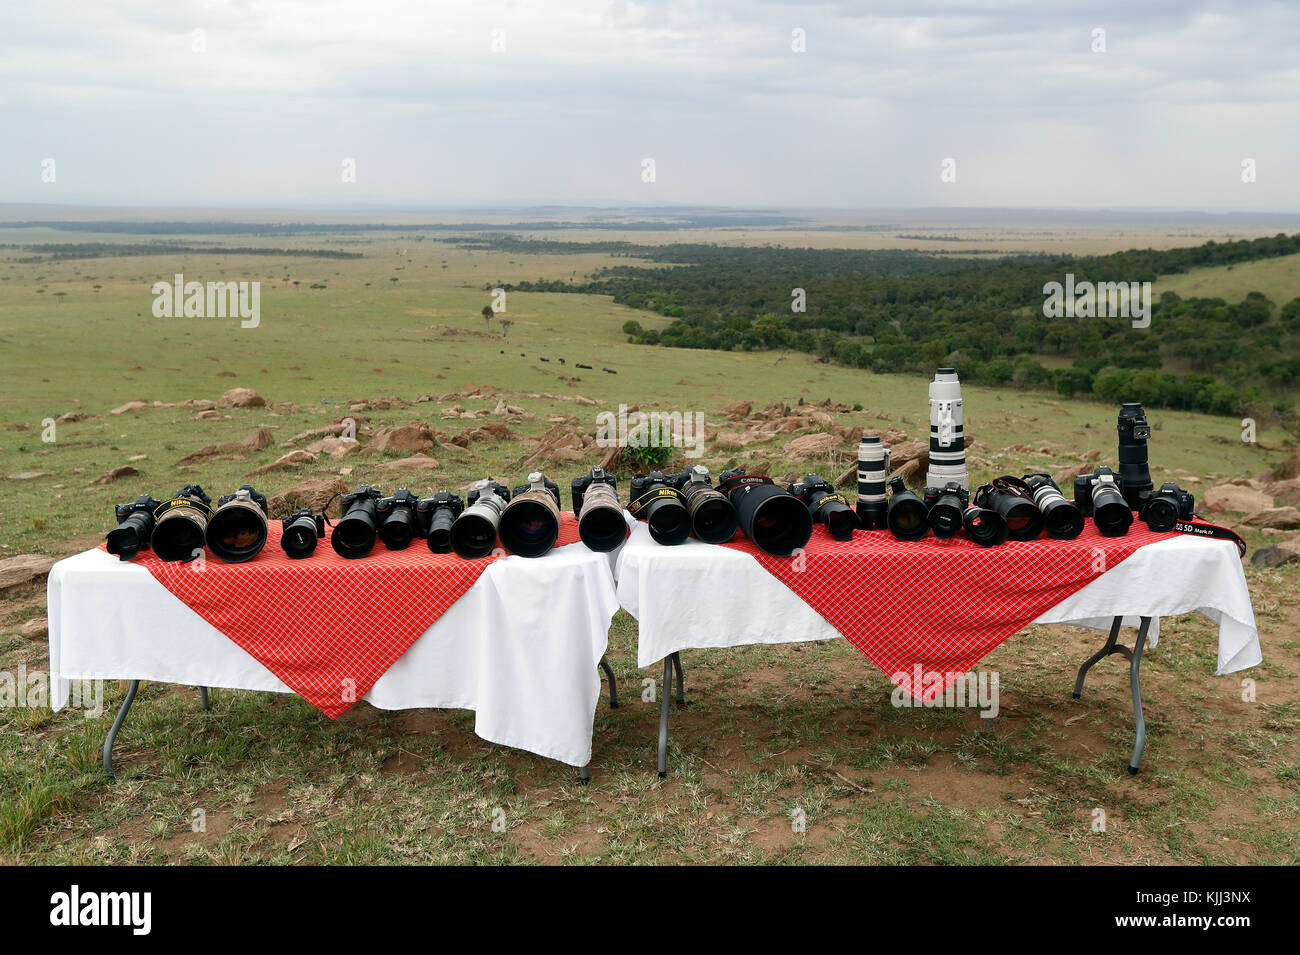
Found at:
(299, 538)
(985, 527)
(440, 530)
(907, 517)
(354, 534)
(669, 521)
(528, 527)
(1024, 520)
(237, 532)
(713, 519)
(602, 528)
(125, 540)
(778, 523)
(473, 535)
(180, 524)
(398, 528)
(1111, 512)
(1063, 520)
(873, 467)
(946, 515)
(1160, 514)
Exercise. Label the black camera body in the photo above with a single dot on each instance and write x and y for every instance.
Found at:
(579, 486)
(826, 505)
(946, 507)
(398, 522)
(492, 487)
(301, 531)
(134, 526)
(1161, 508)
(359, 497)
(435, 515)
(1100, 495)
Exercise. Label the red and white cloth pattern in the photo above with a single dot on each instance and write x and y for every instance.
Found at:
(937, 607)
(328, 626)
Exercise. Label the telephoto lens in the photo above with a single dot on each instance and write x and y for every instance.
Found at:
(947, 508)
(354, 534)
(600, 515)
(947, 432)
(179, 524)
(474, 533)
(134, 526)
(661, 506)
(873, 472)
(1062, 519)
(1099, 496)
(398, 521)
(437, 514)
(826, 506)
(530, 523)
(774, 519)
(907, 517)
(1164, 508)
(985, 527)
(1013, 501)
(713, 519)
(236, 531)
(1134, 475)
(301, 530)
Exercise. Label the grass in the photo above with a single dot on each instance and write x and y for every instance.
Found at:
(771, 733)
(1276, 278)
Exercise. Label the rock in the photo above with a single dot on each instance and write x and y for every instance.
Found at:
(313, 494)
(25, 567)
(1065, 477)
(563, 455)
(130, 406)
(739, 410)
(110, 476)
(729, 440)
(1273, 557)
(28, 475)
(411, 438)
(1285, 493)
(1235, 497)
(909, 451)
(242, 398)
(578, 399)
(283, 463)
(209, 415)
(422, 461)
(37, 628)
(259, 439)
(70, 417)
(811, 446)
(336, 448)
(1285, 518)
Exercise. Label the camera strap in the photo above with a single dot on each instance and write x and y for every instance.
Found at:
(743, 480)
(645, 500)
(1200, 528)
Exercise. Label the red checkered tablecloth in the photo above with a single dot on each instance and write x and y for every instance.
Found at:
(935, 608)
(327, 626)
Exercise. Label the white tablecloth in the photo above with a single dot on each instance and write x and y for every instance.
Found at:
(520, 648)
(699, 595)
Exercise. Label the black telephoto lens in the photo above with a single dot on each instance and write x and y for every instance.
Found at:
(985, 527)
(1134, 474)
(1111, 513)
(662, 507)
(180, 523)
(440, 530)
(134, 527)
(354, 534)
(1012, 499)
(399, 523)
(907, 516)
(1062, 519)
(774, 519)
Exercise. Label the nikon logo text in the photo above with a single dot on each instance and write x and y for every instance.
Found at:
(75, 907)
(180, 298)
(1100, 300)
(651, 429)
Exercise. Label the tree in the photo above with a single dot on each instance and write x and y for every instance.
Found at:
(487, 314)
(505, 327)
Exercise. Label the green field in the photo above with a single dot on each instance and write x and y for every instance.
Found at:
(1278, 279)
(770, 728)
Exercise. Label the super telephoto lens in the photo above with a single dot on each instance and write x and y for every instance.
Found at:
(947, 432)
(985, 527)
(474, 533)
(237, 529)
(600, 516)
(774, 519)
(713, 519)
(179, 525)
(873, 471)
(1111, 513)
(530, 523)
(354, 534)
(907, 517)
(1134, 474)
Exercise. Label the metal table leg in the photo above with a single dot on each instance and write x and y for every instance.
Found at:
(666, 697)
(1134, 657)
(681, 680)
(613, 685)
(584, 776)
(117, 725)
(203, 698)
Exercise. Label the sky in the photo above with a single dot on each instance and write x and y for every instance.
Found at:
(748, 103)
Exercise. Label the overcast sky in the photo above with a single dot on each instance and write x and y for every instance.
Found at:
(264, 105)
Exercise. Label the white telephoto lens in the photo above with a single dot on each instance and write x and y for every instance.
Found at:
(947, 432)
(873, 468)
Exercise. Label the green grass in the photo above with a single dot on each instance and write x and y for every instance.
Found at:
(769, 730)
(1276, 278)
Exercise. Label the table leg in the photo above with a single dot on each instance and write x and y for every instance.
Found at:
(1134, 657)
(681, 680)
(613, 685)
(117, 725)
(665, 698)
(203, 698)
(584, 776)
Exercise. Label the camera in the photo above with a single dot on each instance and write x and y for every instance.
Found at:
(947, 432)
(984, 526)
(1163, 508)
(301, 531)
(773, 518)
(600, 515)
(354, 534)
(1099, 495)
(474, 533)
(826, 506)
(1062, 519)
(873, 472)
(713, 519)
(906, 515)
(134, 525)
(530, 523)
(236, 531)
(1134, 475)
(438, 514)
(661, 506)
(398, 522)
(180, 523)
(946, 508)
(1012, 500)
